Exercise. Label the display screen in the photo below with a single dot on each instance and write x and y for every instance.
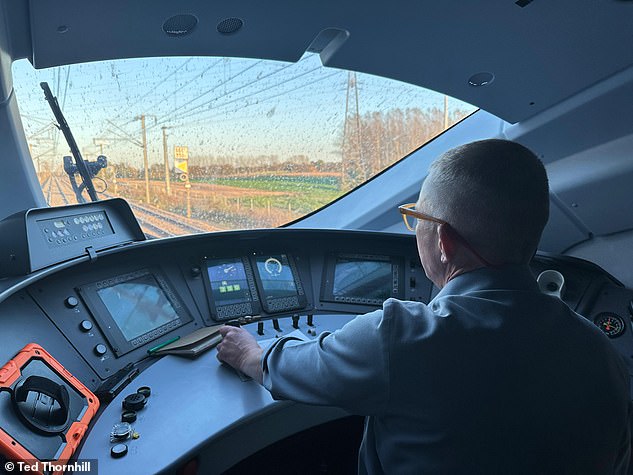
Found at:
(359, 278)
(137, 306)
(228, 281)
(276, 276)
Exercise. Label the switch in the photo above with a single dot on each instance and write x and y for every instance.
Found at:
(276, 324)
(145, 391)
(100, 349)
(260, 328)
(85, 326)
(71, 302)
(118, 451)
(134, 402)
(295, 321)
(412, 282)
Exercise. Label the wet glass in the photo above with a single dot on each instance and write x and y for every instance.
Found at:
(203, 144)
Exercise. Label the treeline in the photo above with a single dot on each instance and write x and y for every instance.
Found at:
(369, 143)
(373, 141)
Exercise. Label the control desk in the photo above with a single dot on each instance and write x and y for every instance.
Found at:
(99, 318)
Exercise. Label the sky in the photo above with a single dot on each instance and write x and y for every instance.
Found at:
(214, 106)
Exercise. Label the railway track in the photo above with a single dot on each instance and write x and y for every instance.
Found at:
(169, 224)
(155, 222)
(54, 194)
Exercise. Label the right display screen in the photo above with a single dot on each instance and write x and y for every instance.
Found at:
(361, 278)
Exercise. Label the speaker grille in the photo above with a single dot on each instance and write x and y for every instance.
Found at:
(180, 25)
(229, 26)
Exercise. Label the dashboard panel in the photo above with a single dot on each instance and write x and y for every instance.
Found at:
(132, 299)
(100, 318)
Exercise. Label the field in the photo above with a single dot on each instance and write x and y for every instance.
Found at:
(230, 202)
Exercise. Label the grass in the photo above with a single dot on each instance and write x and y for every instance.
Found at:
(304, 193)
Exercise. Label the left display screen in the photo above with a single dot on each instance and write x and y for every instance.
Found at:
(138, 306)
(135, 308)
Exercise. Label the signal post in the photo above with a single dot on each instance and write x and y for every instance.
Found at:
(181, 161)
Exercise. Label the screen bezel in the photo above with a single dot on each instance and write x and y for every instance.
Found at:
(233, 307)
(269, 303)
(118, 342)
(327, 289)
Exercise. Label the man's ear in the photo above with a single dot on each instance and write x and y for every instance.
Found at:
(447, 242)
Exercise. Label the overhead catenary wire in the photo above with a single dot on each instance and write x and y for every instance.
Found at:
(192, 112)
(223, 113)
(227, 93)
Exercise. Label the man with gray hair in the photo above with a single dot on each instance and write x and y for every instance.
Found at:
(490, 377)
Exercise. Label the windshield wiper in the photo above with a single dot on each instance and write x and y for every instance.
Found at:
(79, 161)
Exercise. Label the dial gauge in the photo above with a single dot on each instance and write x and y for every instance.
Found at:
(273, 266)
(611, 324)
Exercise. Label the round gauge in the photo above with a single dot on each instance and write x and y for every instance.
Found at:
(273, 266)
(611, 324)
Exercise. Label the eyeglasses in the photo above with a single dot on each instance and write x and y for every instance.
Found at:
(410, 216)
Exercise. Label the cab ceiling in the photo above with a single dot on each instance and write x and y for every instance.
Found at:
(540, 52)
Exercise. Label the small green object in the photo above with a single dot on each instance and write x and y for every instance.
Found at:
(162, 345)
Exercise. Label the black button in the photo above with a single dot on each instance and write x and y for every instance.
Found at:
(134, 402)
(100, 349)
(128, 416)
(118, 451)
(85, 326)
(145, 391)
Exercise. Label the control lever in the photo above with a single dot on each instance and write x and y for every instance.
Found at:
(115, 383)
(295, 321)
(276, 324)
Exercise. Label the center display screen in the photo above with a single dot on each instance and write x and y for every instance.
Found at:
(276, 276)
(360, 278)
(227, 278)
(137, 306)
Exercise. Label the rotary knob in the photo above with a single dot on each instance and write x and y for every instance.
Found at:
(134, 402)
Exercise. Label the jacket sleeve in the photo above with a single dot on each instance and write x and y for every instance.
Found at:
(347, 368)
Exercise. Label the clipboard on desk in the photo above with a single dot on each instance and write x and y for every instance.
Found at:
(192, 345)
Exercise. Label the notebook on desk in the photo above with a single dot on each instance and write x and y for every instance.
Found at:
(193, 344)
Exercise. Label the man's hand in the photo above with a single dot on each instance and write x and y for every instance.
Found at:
(239, 349)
